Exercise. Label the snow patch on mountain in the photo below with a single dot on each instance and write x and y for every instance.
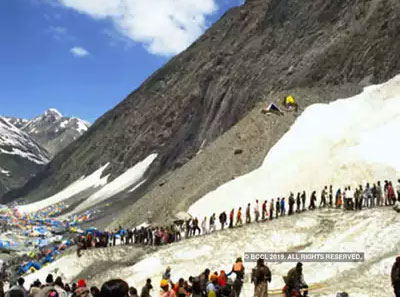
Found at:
(13, 141)
(347, 141)
(132, 176)
(5, 172)
(94, 180)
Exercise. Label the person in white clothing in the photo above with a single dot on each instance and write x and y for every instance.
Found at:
(204, 226)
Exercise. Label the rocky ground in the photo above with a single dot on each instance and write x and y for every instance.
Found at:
(217, 162)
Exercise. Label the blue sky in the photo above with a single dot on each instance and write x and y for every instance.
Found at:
(83, 57)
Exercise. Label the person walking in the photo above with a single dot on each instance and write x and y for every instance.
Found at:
(204, 226)
(231, 216)
(261, 276)
(283, 208)
(303, 200)
(239, 221)
(264, 213)
(256, 211)
(298, 202)
(248, 217)
(330, 196)
(222, 220)
(379, 193)
(212, 223)
(292, 201)
(313, 200)
(323, 197)
(271, 209)
(277, 207)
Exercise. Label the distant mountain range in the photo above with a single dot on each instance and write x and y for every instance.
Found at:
(26, 146)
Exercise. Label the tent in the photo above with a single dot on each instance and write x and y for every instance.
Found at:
(290, 100)
(272, 108)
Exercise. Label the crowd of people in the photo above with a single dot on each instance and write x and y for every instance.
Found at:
(367, 196)
(216, 284)
(206, 284)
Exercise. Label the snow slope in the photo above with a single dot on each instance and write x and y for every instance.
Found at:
(374, 232)
(92, 181)
(132, 176)
(15, 142)
(352, 139)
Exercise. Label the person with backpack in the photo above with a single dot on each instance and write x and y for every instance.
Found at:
(261, 276)
(238, 270)
(295, 283)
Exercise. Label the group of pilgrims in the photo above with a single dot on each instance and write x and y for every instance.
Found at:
(368, 196)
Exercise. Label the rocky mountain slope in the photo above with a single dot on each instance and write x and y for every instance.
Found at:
(20, 156)
(254, 53)
(52, 130)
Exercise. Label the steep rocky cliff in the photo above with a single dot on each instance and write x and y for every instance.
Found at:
(250, 54)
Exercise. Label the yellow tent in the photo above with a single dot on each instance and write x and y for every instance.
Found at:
(290, 100)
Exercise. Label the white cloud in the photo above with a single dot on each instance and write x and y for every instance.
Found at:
(79, 51)
(164, 27)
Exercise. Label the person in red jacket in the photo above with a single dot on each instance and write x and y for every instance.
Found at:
(222, 279)
(264, 211)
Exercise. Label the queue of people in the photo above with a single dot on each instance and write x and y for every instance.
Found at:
(367, 196)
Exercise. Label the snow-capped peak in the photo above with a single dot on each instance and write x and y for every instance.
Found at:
(13, 141)
(53, 112)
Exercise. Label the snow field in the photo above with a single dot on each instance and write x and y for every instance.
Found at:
(347, 141)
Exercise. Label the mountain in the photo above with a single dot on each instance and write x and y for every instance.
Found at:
(20, 156)
(52, 130)
(258, 52)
